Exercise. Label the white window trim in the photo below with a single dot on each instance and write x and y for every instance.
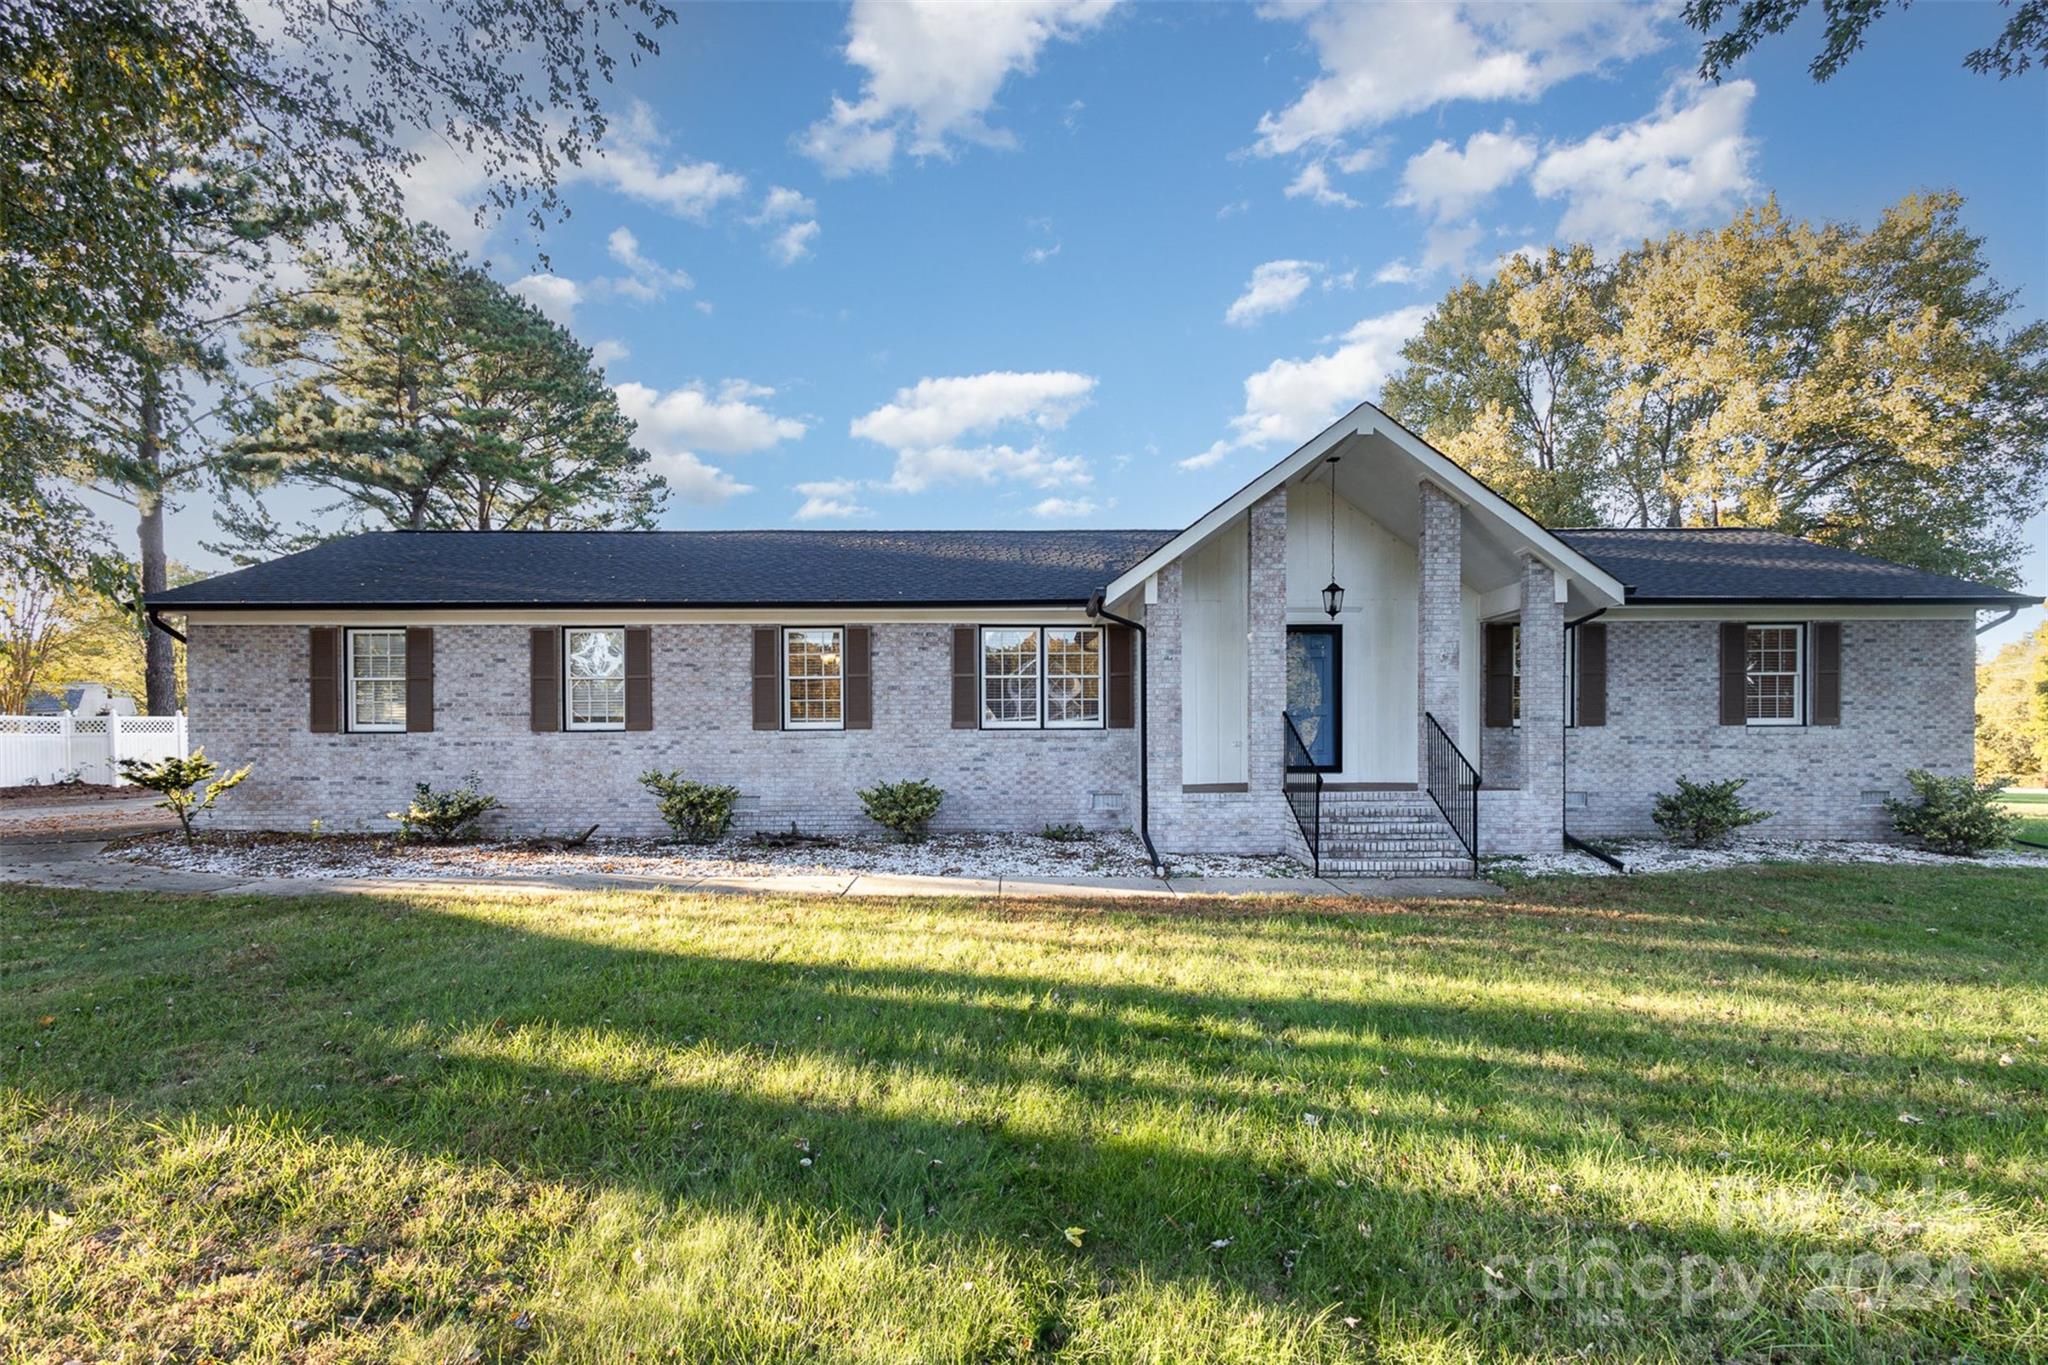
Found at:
(1037, 721)
(1045, 679)
(1042, 721)
(348, 666)
(569, 721)
(1515, 676)
(789, 721)
(1798, 717)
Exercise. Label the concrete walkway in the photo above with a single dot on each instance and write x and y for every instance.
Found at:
(79, 864)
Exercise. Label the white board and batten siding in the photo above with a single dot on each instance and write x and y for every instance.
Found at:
(1214, 682)
(40, 750)
(1380, 574)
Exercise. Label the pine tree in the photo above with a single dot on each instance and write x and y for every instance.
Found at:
(425, 396)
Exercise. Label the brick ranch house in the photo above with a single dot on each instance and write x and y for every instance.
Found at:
(1480, 684)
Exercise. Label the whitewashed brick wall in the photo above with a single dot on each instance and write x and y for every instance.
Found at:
(1908, 699)
(1257, 819)
(1440, 618)
(248, 704)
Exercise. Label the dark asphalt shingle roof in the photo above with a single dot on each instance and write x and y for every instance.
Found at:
(954, 568)
(1705, 566)
(681, 569)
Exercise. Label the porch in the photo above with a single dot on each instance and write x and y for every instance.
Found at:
(1317, 671)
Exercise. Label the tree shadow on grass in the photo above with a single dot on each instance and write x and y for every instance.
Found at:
(987, 1105)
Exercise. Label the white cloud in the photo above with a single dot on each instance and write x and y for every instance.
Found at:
(1314, 183)
(924, 425)
(793, 243)
(1381, 62)
(724, 421)
(1396, 272)
(1444, 182)
(649, 279)
(631, 161)
(934, 69)
(675, 426)
(607, 350)
(1687, 161)
(783, 203)
(1039, 255)
(1274, 287)
(830, 499)
(935, 412)
(1291, 400)
(917, 470)
(555, 295)
(1048, 508)
(694, 481)
(1448, 246)
(445, 189)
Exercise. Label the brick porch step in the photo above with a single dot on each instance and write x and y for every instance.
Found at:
(1388, 834)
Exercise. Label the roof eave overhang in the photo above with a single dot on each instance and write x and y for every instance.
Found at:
(635, 604)
(1986, 603)
(1366, 420)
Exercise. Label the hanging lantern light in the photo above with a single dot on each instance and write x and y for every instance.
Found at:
(1333, 595)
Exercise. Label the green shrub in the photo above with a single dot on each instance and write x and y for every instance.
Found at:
(444, 816)
(698, 812)
(1702, 813)
(905, 807)
(188, 785)
(1953, 814)
(1063, 834)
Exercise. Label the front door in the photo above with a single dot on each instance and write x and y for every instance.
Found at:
(1315, 690)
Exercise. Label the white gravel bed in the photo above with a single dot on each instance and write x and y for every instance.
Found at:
(986, 856)
(1654, 855)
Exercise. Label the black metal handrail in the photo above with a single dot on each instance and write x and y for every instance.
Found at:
(1304, 787)
(1453, 783)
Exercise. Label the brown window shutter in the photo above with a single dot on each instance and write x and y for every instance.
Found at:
(545, 671)
(639, 678)
(1500, 674)
(323, 678)
(419, 678)
(767, 678)
(856, 683)
(1734, 673)
(1827, 673)
(1120, 657)
(966, 677)
(1592, 673)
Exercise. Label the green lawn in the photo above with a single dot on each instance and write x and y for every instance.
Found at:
(613, 1127)
(2032, 808)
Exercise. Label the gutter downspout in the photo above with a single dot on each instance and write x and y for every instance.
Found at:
(1572, 841)
(1997, 621)
(1097, 609)
(157, 622)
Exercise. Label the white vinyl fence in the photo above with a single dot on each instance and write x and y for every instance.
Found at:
(38, 750)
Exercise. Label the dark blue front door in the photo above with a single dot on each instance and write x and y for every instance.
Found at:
(1315, 687)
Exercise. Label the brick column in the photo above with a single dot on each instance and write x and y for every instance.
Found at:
(1266, 659)
(1163, 705)
(1440, 606)
(1542, 729)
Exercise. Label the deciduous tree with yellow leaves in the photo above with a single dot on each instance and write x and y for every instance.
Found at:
(1869, 388)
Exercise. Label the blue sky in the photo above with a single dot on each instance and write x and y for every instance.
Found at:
(1092, 264)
